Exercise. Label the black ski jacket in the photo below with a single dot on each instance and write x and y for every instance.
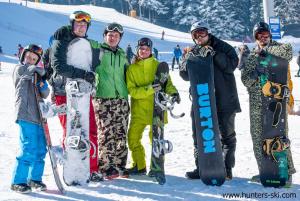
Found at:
(58, 58)
(225, 62)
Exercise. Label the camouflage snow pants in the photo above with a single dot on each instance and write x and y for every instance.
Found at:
(256, 128)
(112, 122)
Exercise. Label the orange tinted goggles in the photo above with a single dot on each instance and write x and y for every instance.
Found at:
(82, 17)
(200, 34)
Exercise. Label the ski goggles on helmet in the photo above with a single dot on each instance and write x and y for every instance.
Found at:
(145, 42)
(35, 49)
(115, 27)
(199, 33)
(81, 16)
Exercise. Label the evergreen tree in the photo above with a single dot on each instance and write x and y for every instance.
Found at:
(288, 11)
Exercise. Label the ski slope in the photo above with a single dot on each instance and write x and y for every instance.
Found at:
(36, 23)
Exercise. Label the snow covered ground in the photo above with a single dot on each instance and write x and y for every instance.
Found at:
(23, 25)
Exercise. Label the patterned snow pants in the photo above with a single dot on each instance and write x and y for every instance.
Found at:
(112, 122)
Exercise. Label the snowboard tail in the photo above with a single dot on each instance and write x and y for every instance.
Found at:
(210, 154)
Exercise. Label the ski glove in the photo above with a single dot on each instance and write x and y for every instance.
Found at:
(89, 77)
(156, 87)
(176, 98)
(34, 69)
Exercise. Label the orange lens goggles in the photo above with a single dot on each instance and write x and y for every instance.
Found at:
(82, 17)
(200, 34)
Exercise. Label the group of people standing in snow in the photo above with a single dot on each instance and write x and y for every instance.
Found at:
(114, 79)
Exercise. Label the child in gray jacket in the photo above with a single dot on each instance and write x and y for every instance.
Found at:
(30, 161)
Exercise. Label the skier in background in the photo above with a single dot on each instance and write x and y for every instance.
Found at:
(80, 21)
(243, 55)
(163, 35)
(250, 78)
(298, 62)
(140, 76)
(129, 54)
(20, 50)
(155, 53)
(30, 162)
(225, 62)
(177, 53)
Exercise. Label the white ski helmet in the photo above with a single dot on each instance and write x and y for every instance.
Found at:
(199, 25)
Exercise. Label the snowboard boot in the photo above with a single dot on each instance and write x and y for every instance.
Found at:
(193, 174)
(111, 173)
(151, 174)
(20, 188)
(96, 177)
(256, 179)
(123, 172)
(37, 185)
(228, 174)
(135, 171)
(160, 178)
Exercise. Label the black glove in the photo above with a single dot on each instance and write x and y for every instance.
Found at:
(89, 77)
(176, 98)
(261, 52)
(156, 87)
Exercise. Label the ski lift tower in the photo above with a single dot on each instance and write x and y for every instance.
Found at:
(271, 19)
(268, 9)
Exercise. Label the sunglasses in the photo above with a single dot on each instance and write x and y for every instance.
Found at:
(201, 33)
(264, 34)
(115, 27)
(82, 17)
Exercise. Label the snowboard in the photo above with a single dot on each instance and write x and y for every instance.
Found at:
(211, 163)
(76, 165)
(275, 95)
(50, 149)
(159, 146)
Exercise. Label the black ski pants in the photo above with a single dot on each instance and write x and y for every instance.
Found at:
(226, 122)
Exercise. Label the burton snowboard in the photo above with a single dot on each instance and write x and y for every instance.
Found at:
(76, 165)
(159, 146)
(275, 95)
(51, 152)
(211, 163)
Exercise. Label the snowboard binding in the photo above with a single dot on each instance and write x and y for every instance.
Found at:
(275, 145)
(275, 90)
(166, 103)
(161, 147)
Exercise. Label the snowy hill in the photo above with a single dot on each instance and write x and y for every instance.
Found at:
(35, 23)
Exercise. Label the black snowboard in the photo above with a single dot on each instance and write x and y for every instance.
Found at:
(158, 142)
(211, 162)
(274, 168)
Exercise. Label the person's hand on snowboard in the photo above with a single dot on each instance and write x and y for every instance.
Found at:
(34, 69)
(156, 87)
(89, 77)
(176, 98)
